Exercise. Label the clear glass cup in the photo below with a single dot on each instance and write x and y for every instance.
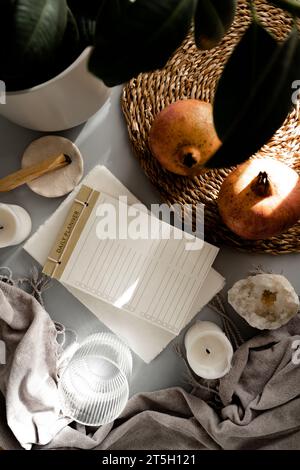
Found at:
(94, 386)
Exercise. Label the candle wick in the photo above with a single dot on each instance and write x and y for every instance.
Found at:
(208, 351)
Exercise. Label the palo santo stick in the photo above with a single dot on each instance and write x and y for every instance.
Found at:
(26, 175)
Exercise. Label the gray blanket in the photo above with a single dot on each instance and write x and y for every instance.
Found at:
(256, 406)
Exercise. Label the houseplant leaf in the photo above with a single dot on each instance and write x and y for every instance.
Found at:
(213, 19)
(134, 37)
(39, 27)
(85, 13)
(70, 47)
(254, 94)
(292, 6)
(35, 31)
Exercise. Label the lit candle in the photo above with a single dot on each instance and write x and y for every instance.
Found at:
(208, 350)
(15, 225)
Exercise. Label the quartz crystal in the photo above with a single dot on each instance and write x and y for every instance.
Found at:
(265, 301)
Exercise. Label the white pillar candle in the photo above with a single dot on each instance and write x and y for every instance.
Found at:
(15, 225)
(208, 350)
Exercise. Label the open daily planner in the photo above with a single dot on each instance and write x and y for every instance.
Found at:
(145, 339)
(154, 278)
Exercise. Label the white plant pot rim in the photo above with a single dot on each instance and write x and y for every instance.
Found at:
(81, 57)
(65, 101)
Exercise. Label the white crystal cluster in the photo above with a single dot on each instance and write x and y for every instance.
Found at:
(265, 301)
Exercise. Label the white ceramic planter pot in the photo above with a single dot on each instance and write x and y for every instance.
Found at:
(65, 101)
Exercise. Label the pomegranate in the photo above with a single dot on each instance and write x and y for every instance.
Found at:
(183, 137)
(260, 199)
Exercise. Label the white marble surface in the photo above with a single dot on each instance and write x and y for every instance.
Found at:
(103, 139)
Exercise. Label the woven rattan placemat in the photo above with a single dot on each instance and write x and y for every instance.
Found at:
(191, 73)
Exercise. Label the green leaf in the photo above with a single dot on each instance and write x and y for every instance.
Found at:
(70, 46)
(254, 94)
(213, 19)
(35, 33)
(85, 13)
(39, 28)
(134, 37)
(292, 6)
(87, 29)
(71, 35)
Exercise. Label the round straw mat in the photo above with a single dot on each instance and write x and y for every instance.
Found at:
(192, 73)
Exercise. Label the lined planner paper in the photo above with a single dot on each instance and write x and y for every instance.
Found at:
(157, 280)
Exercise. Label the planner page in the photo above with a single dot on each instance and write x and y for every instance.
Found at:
(154, 278)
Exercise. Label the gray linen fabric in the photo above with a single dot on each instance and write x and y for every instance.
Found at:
(257, 405)
(28, 380)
